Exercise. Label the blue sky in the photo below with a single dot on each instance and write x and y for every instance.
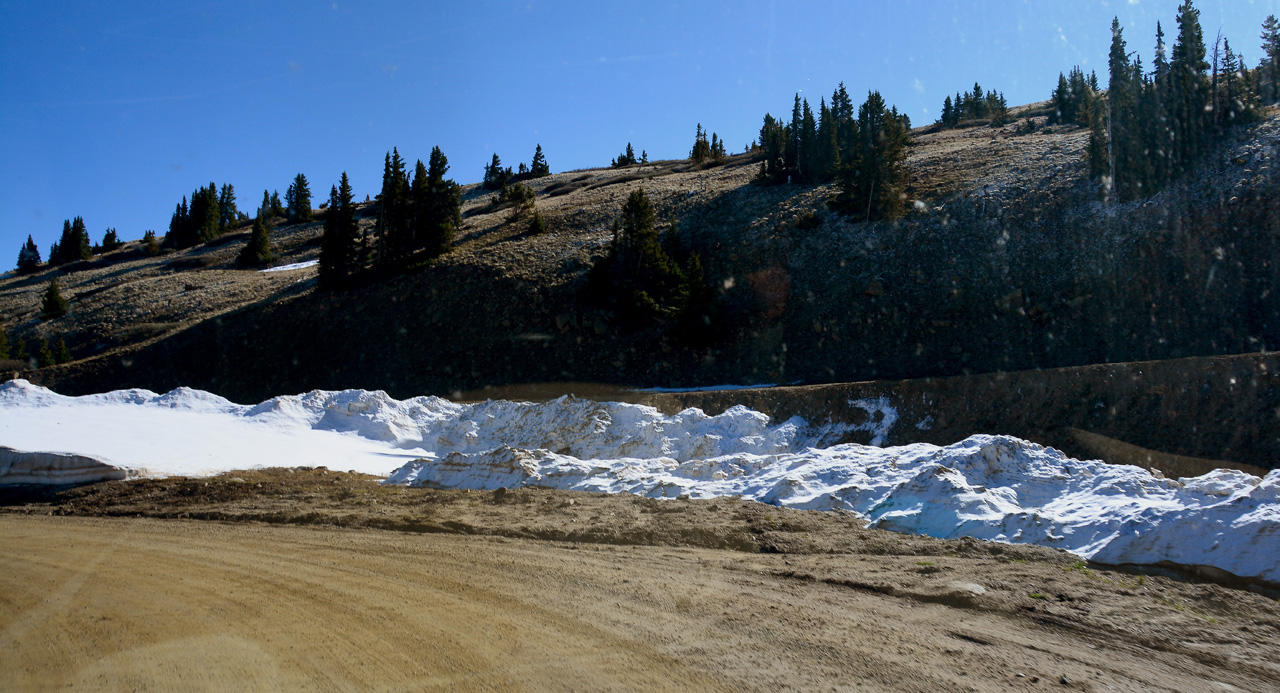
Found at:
(115, 110)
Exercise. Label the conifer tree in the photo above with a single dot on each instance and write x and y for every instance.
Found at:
(537, 225)
(828, 150)
(149, 246)
(1268, 70)
(791, 156)
(4, 345)
(29, 257)
(495, 176)
(444, 206)
(1122, 104)
(538, 167)
(53, 305)
(394, 242)
(277, 209)
(1189, 90)
(340, 244)
(701, 151)
(18, 348)
(644, 154)
(228, 215)
(773, 150)
(62, 354)
(807, 158)
(874, 187)
(257, 251)
(44, 354)
(110, 240)
(298, 199)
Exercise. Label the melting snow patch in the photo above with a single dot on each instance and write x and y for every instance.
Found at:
(294, 266)
(989, 487)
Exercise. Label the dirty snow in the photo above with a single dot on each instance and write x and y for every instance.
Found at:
(989, 487)
(294, 266)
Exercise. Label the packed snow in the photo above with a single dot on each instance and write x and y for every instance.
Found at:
(989, 487)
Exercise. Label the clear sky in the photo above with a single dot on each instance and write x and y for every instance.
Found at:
(115, 110)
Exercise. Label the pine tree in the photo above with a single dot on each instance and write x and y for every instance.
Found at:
(539, 168)
(701, 151)
(394, 242)
(149, 246)
(53, 305)
(443, 211)
(827, 149)
(4, 346)
(18, 348)
(537, 225)
(1268, 70)
(110, 240)
(62, 354)
(44, 354)
(773, 151)
(257, 251)
(228, 215)
(791, 156)
(29, 257)
(1122, 103)
(874, 187)
(340, 244)
(807, 157)
(298, 200)
(644, 154)
(277, 210)
(495, 177)
(1189, 90)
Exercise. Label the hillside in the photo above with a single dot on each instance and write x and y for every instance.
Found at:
(1008, 262)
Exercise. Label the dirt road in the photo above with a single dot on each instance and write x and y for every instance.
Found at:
(145, 604)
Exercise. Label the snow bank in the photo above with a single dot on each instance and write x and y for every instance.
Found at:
(19, 467)
(295, 266)
(989, 487)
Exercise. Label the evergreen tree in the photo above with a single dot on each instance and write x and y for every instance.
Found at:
(444, 206)
(4, 345)
(62, 354)
(149, 246)
(29, 257)
(340, 244)
(538, 167)
(521, 199)
(178, 225)
(807, 157)
(495, 177)
(638, 277)
(644, 154)
(202, 220)
(773, 144)
(298, 199)
(257, 251)
(394, 233)
(110, 241)
(537, 225)
(44, 354)
(791, 155)
(1268, 70)
(53, 305)
(277, 210)
(701, 151)
(874, 187)
(228, 215)
(1189, 90)
(627, 158)
(827, 148)
(1123, 130)
(18, 348)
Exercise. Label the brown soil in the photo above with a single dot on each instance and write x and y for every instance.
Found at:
(297, 587)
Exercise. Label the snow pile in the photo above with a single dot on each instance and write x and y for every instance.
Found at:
(18, 467)
(989, 487)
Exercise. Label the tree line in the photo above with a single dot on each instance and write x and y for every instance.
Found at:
(1150, 127)
(863, 150)
(975, 105)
